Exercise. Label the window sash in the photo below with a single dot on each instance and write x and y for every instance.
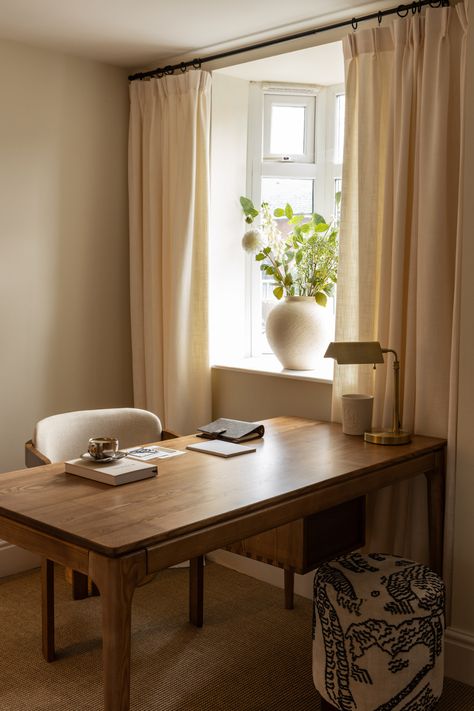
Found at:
(305, 102)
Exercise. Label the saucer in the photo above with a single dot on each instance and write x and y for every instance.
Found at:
(106, 460)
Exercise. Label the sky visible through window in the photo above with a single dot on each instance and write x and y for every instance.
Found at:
(298, 192)
(287, 130)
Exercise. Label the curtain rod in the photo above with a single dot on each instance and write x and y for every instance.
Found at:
(400, 10)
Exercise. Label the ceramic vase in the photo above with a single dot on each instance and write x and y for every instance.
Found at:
(297, 330)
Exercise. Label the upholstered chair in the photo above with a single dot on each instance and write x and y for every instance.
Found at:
(66, 435)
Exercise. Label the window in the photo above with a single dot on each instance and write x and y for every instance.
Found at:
(288, 133)
(295, 146)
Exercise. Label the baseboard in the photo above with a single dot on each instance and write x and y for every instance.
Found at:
(459, 655)
(15, 560)
(266, 573)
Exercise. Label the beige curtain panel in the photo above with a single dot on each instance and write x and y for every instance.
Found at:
(169, 198)
(400, 241)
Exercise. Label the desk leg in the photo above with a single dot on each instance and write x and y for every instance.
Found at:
(47, 609)
(289, 588)
(117, 579)
(436, 493)
(80, 585)
(196, 591)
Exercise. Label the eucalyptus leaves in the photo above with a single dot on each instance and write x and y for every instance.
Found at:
(302, 262)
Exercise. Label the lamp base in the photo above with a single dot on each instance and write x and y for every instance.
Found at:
(388, 437)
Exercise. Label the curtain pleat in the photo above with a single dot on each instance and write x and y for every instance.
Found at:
(169, 198)
(400, 243)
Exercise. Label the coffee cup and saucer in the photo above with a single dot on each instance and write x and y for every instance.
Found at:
(103, 450)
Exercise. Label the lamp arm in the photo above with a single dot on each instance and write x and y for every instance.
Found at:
(396, 399)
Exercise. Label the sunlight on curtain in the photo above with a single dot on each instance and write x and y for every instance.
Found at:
(169, 197)
(400, 242)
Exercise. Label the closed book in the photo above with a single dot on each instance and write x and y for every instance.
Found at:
(221, 449)
(231, 430)
(122, 471)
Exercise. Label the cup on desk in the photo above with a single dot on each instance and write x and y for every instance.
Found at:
(357, 413)
(103, 447)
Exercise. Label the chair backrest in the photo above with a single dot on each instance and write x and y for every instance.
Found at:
(66, 436)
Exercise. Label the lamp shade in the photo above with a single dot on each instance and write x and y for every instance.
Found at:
(355, 352)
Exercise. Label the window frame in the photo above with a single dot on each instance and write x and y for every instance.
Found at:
(273, 99)
(322, 169)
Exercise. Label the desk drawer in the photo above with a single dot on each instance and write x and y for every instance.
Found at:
(304, 544)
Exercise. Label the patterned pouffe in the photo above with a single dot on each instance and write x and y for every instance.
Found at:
(378, 634)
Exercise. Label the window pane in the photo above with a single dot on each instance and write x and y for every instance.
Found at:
(298, 192)
(287, 130)
(337, 205)
(277, 192)
(340, 108)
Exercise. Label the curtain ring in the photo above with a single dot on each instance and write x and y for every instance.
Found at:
(379, 17)
(160, 74)
(183, 67)
(197, 63)
(168, 70)
(402, 11)
(354, 23)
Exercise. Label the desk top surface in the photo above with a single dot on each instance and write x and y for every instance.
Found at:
(296, 456)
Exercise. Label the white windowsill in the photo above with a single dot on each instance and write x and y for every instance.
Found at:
(269, 365)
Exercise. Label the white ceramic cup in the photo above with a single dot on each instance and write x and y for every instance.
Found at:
(357, 414)
(103, 447)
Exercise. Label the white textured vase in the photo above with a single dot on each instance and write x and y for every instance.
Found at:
(297, 331)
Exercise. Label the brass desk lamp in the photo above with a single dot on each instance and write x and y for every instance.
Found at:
(358, 352)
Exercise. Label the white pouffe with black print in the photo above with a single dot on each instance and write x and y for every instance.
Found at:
(378, 629)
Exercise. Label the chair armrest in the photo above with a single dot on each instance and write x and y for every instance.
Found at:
(33, 457)
(168, 434)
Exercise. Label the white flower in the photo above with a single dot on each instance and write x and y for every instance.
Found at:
(252, 241)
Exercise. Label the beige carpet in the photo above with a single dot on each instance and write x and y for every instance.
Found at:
(251, 654)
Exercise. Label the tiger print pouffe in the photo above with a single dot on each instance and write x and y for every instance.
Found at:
(378, 628)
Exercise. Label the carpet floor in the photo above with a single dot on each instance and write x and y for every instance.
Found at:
(251, 654)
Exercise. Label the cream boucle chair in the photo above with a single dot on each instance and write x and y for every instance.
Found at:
(65, 436)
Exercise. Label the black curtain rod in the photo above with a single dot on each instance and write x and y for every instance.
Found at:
(400, 10)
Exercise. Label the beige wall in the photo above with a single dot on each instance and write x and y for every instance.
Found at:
(227, 261)
(63, 240)
(251, 396)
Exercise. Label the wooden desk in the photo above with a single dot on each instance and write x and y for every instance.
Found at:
(196, 504)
